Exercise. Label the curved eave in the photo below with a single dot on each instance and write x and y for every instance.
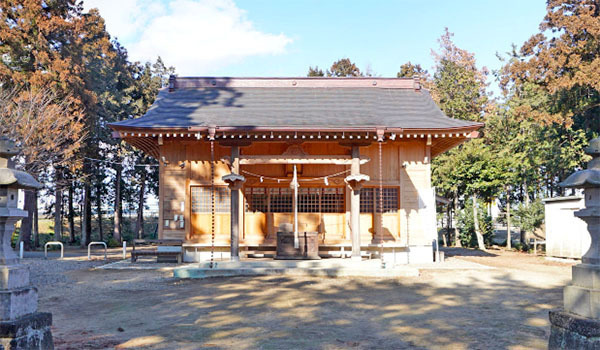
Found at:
(247, 128)
(148, 145)
(440, 139)
(19, 179)
(583, 179)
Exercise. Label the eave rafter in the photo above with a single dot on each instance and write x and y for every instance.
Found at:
(150, 140)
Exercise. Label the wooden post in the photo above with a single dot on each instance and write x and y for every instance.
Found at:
(235, 206)
(294, 186)
(355, 205)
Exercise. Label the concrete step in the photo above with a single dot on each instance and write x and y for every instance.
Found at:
(323, 263)
(201, 272)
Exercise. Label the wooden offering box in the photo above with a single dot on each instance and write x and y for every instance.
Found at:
(308, 247)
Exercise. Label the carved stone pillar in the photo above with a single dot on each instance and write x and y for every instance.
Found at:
(578, 325)
(21, 326)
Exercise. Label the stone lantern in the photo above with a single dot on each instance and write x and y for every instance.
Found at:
(21, 326)
(578, 325)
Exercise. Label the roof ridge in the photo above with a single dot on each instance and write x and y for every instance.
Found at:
(292, 82)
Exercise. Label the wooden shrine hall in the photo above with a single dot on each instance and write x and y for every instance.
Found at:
(347, 158)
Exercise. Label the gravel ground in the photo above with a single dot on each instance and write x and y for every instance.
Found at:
(46, 272)
(502, 307)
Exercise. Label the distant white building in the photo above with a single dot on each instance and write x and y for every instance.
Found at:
(566, 234)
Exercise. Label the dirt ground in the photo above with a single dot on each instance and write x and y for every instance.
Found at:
(504, 307)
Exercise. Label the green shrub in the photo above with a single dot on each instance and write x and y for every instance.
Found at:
(530, 217)
(113, 243)
(14, 238)
(466, 225)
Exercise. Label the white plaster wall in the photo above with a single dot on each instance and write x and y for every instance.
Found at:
(566, 234)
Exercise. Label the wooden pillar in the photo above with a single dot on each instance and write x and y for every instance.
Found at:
(235, 206)
(355, 205)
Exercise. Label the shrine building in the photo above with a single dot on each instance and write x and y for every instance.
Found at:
(358, 149)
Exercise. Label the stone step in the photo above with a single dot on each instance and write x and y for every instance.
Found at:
(199, 273)
(323, 263)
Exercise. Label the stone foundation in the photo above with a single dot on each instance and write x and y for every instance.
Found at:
(398, 256)
(27, 333)
(582, 297)
(420, 254)
(569, 331)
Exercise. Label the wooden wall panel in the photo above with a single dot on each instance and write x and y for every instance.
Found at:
(324, 169)
(199, 155)
(332, 227)
(273, 170)
(202, 228)
(416, 183)
(406, 226)
(255, 228)
(173, 190)
(391, 166)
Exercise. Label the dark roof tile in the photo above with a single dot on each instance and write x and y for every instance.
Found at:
(325, 107)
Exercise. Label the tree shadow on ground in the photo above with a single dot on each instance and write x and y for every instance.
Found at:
(476, 311)
(453, 251)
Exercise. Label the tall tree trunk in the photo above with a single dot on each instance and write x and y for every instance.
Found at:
(456, 233)
(508, 233)
(480, 241)
(86, 216)
(99, 210)
(36, 228)
(446, 232)
(27, 223)
(526, 194)
(561, 190)
(58, 202)
(139, 227)
(523, 237)
(71, 215)
(118, 211)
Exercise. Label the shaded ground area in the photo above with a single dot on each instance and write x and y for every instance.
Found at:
(505, 307)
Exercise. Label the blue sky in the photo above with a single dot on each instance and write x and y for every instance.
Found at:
(282, 38)
(385, 34)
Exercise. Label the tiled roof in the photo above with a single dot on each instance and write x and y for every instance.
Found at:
(294, 102)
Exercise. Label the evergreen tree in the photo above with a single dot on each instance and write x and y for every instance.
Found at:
(459, 89)
(315, 72)
(344, 68)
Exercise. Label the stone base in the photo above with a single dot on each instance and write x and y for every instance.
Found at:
(28, 332)
(582, 297)
(569, 331)
(16, 303)
(14, 276)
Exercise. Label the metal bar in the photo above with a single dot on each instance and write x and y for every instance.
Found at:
(53, 243)
(96, 243)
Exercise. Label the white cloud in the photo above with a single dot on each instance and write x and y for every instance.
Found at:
(195, 36)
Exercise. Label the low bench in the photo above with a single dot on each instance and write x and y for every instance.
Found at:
(258, 251)
(155, 244)
(245, 250)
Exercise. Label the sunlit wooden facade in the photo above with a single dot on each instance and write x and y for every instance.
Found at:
(382, 160)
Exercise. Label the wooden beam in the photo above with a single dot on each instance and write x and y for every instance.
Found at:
(298, 159)
(363, 143)
(235, 142)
